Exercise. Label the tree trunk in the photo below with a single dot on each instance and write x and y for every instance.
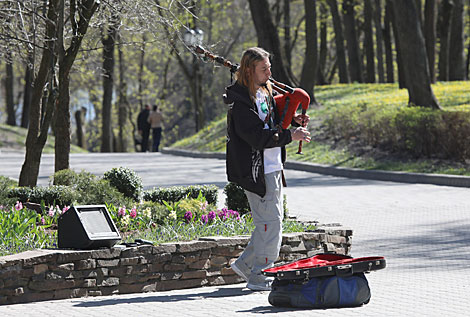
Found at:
(80, 122)
(287, 37)
(388, 43)
(443, 27)
(321, 66)
(309, 69)
(414, 55)
(28, 88)
(398, 44)
(457, 53)
(9, 93)
(354, 55)
(430, 15)
(108, 82)
(369, 42)
(339, 42)
(268, 38)
(39, 121)
(66, 60)
(123, 106)
(379, 40)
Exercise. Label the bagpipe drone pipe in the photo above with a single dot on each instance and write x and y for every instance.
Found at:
(287, 101)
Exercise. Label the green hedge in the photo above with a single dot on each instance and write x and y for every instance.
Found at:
(51, 195)
(417, 131)
(177, 193)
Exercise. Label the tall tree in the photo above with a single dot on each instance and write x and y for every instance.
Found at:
(443, 27)
(457, 53)
(309, 69)
(28, 89)
(418, 81)
(354, 55)
(339, 42)
(379, 40)
(79, 19)
(388, 42)
(268, 38)
(323, 54)
(369, 42)
(40, 117)
(398, 44)
(9, 93)
(430, 16)
(109, 40)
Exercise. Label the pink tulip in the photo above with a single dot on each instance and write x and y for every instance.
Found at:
(18, 205)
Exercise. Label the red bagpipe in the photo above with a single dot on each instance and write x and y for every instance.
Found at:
(326, 265)
(287, 101)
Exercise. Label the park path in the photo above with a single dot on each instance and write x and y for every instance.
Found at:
(422, 230)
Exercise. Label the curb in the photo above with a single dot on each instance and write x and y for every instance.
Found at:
(389, 176)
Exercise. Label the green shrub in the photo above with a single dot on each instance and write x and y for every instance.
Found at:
(126, 181)
(51, 195)
(5, 185)
(65, 177)
(177, 193)
(236, 198)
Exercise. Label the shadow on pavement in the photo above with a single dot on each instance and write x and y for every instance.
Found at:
(221, 292)
(437, 245)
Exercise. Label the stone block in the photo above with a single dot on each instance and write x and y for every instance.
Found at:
(50, 285)
(192, 246)
(172, 267)
(89, 282)
(40, 268)
(218, 261)
(171, 276)
(179, 258)
(227, 271)
(71, 256)
(201, 264)
(164, 248)
(227, 241)
(110, 281)
(180, 284)
(138, 288)
(107, 263)
(129, 261)
(200, 274)
(85, 264)
(112, 253)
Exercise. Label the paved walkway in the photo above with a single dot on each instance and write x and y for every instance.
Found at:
(422, 230)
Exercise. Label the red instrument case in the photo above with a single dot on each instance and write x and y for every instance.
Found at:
(326, 265)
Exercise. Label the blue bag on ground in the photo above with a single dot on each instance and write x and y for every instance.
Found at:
(321, 292)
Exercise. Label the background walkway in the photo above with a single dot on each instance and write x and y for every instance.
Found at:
(422, 230)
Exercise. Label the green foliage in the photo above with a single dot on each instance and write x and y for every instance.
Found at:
(5, 185)
(177, 193)
(235, 198)
(51, 195)
(126, 181)
(19, 231)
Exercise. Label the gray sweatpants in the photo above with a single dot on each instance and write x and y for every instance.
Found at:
(263, 249)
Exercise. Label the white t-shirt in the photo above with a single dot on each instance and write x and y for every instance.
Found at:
(272, 156)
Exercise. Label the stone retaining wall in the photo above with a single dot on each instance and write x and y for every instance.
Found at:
(58, 274)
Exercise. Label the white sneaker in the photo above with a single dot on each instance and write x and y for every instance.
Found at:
(259, 283)
(239, 272)
(266, 286)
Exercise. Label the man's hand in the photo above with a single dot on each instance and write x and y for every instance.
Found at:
(298, 118)
(300, 134)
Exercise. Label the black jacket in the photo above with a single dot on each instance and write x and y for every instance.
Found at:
(247, 138)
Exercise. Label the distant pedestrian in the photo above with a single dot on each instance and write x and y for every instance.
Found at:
(155, 119)
(143, 126)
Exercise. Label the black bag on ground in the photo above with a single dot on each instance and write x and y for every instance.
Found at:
(321, 292)
(323, 281)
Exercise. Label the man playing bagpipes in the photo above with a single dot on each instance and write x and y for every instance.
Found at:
(257, 136)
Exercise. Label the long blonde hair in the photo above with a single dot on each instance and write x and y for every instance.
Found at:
(245, 73)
